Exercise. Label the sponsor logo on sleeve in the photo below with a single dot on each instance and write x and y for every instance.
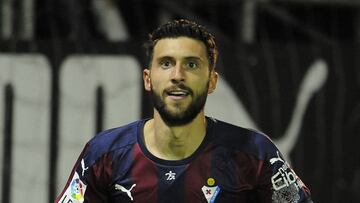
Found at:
(285, 182)
(75, 191)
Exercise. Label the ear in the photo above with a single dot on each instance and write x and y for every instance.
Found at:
(213, 81)
(147, 80)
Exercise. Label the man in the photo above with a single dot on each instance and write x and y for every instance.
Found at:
(180, 155)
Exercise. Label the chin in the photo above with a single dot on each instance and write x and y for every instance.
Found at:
(178, 119)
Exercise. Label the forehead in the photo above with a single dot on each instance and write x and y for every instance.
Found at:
(180, 47)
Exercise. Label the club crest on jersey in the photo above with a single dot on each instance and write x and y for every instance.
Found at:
(210, 190)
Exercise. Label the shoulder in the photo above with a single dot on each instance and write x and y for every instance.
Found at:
(112, 140)
(241, 139)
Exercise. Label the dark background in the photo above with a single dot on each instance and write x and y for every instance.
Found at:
(263, 61)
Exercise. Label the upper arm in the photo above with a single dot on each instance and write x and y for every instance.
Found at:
(278, 182)
(88, 181)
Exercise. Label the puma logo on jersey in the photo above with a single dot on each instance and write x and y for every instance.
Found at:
(83, 167)
(127, 191)
(276, 159)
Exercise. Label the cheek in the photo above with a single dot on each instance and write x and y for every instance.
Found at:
(156, 79)
(155, 85)
(200, 88)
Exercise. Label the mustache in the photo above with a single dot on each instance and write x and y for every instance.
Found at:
(179, 86)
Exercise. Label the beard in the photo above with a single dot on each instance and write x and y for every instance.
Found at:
(185, 114)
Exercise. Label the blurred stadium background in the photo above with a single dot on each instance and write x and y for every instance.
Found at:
(69, 69)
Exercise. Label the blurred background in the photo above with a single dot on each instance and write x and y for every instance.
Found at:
(69, 69)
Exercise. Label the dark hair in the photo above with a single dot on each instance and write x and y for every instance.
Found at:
(183, 28)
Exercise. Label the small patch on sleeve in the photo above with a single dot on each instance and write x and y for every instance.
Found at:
(75, 192)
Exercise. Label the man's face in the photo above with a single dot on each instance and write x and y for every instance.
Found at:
(179, 79)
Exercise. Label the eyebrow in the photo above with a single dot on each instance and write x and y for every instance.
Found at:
(164, 58)
(193, 58)
(196, 58)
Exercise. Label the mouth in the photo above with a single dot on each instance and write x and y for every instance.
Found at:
(177, 94)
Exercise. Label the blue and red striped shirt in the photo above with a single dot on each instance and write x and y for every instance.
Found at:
(232, 164)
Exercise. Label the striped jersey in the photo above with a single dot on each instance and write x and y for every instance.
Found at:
(232, 164)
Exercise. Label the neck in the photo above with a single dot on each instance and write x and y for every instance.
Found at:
(174, 142)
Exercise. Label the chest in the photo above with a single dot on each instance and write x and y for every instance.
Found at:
(219, 177)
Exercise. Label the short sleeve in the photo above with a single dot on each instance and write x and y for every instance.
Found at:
(87, 181)
(279, 183)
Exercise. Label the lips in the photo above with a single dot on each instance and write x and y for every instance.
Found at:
(177, 93)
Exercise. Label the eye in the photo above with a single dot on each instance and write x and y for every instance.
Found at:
(165, 64)
(192, 65)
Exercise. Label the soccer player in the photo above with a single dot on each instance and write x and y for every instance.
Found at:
(181, 155)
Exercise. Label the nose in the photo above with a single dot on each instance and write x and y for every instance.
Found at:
(177, 74)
